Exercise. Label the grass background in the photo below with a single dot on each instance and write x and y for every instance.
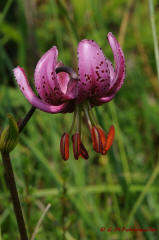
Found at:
(117, 190)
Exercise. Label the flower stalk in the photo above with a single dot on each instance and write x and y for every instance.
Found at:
(25, 120)
(14, 195)
(8, 141)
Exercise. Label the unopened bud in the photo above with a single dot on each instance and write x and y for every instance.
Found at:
(9, 136)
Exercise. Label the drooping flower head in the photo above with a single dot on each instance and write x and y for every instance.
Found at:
(61, 90)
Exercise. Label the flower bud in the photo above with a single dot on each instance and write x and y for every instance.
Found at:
(9, 136)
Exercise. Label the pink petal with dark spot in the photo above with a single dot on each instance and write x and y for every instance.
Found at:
(119, 75)
(42, 81)
(32, 98)
(119, 58)
(100, 101)
(68, 86)
(63, 78)
(94, 74)
(51, 87)
(111, 69)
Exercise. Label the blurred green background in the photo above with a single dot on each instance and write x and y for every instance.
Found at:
(117, 190)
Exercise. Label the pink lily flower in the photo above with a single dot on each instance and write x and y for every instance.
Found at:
(60, 90)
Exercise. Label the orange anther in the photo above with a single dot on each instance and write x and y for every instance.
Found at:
(110, 138)
(64, 146)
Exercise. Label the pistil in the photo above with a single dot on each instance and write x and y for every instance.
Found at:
(76, 138)
(73, 122)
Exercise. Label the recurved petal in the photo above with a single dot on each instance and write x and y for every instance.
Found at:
(51, 87)
(119, 75)
(72, 89)
(44, 80)
(94, 75)
(30, 95)
(63, 79)
(102, 100)
(119, 58)
(111, 70)
(67, 85)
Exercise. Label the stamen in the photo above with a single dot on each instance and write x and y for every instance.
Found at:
(89, 121)
(95, 139)
(64, 146)
(83, 153)
(76, 140)
(91, 114)
(102, 140)
(110, 138)
(97, 134)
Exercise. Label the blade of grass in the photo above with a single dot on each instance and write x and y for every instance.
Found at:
(142, 195)
(94, 189)
(71, 23)
(0, 233)
(154, 33)
(41, 158)
(40, 221)
(125, 20)
(114, 197)
(69, 236)
(120, 143)
(54, 13)
(5, 10)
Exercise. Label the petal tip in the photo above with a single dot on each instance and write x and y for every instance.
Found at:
(86, 43)
(18, 73)
(16, 69)
(111, 37)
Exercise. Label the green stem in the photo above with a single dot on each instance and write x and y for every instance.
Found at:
(10, 180)
(26, 118)
(14, 195)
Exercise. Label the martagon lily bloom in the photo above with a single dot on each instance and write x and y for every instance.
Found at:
(61, 90)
